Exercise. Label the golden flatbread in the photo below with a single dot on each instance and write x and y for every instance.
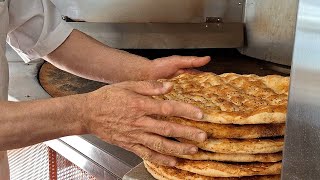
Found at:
(240, 146)
(230, 130)
(221, 169)
(206, 155)
(232, 98)
(170, 173)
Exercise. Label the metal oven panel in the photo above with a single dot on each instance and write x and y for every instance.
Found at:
(145, 11)
(270, 27)
(167, 24)
(269, 23)
(165, 35)
(228, 10)
(128, 11)
(302, 141)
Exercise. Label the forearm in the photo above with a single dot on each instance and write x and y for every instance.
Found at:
(86, 57)
(27, 123)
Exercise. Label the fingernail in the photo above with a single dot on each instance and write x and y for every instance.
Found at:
(202, 137)
(199, 115)
(167, 85)
(172, 163)
(193, 150)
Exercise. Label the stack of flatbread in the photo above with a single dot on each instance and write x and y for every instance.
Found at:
(245, 122)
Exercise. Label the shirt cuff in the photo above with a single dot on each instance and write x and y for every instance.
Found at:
(49, 44)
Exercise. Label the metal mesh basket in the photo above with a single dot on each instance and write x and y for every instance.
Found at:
(43, 163)
(62, 169)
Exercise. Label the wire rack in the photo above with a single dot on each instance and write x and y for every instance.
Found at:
(62, 169)
(43, 163)
(29, 163)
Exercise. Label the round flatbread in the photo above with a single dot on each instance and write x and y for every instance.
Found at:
(206, 155)
(170, 173)
(240, 146)
(232, 131)
(221, 169)
(232, 98)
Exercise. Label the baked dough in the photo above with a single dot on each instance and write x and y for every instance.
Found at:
(240, 146)
(170, 173)
(214, 130)
(244, 116)
(221, 169)
(232, 98)
(206, 155)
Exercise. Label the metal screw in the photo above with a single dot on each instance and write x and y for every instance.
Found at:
(240, 3)
(214, 20)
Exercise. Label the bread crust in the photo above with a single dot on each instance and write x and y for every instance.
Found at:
(240, 146)
(206, 155)
(232, 98)
(214, 130)
(170, 173)
(220, 169)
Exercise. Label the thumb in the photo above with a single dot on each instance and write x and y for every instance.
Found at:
(148, 88)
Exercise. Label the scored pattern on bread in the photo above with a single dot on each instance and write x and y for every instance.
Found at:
(232, 98)
(244, 117)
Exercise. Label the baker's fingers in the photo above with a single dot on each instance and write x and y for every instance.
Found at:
(189, 71)
(170, 129)
(164, 145)
(186, 62)
(152, 156)
(171, 108)
(148, 88)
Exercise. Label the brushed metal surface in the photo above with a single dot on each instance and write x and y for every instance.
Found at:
(129, 159)
(165, 35)
(80, 160)
(138, 173)
(144, 11)
(302, 142)
(111, 158)
(168, 24)
(228, 10)
(270, 26)
(111, 162)
(124, 11)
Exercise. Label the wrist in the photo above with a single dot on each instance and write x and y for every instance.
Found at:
(78, 121)
(135, 68)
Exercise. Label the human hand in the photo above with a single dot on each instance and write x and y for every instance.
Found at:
(120, 114)
(172, 66)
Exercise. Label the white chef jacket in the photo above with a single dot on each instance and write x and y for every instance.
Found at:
(34, 28)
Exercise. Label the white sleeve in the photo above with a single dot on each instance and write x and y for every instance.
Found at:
(35, 28)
